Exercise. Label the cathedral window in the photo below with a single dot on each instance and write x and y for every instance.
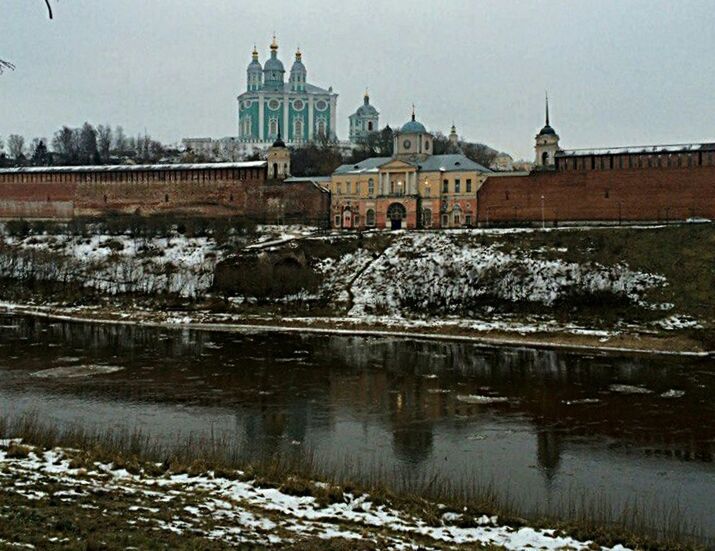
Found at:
(369, 126)
(321, 127)
(273, 127)
(298, 129)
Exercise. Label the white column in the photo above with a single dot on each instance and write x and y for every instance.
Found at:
(261, 114)
(333, 109)
(285, 130)
(310, 118)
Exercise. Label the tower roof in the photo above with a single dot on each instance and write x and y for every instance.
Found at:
(547, 130)
(366, 110)
(254, 65)
(413, 126)
(279, 141)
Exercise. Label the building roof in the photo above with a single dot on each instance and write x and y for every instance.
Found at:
(433, 163)
(133, 168)
(288, 89)
(413, 127)
(314, 179)
(547, 130)
(450, 163)
(368, 165)
(638, 150)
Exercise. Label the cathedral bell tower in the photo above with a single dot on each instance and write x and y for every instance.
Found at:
(278, 159)
(547, 144)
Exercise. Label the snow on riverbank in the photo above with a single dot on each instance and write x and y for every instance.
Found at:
(122, 263)
(444, 273)
(242, 511)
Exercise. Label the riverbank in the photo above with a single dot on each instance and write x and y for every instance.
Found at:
(76, 489)
(558, 338)
(572, 288)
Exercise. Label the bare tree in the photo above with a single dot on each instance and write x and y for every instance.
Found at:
(104, 141)
(4, 65)
(15, 145)
(87, 144)
(120, 141)
(66, 144)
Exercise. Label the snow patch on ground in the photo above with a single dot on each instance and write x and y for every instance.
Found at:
(244, 512)
(437, 273)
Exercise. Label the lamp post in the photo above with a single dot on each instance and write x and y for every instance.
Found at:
(543, 218)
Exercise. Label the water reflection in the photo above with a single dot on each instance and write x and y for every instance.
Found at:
(543, 422)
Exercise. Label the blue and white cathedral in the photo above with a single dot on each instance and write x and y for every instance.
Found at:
(300, 111)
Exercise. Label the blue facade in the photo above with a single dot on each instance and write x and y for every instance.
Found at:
(303, 112)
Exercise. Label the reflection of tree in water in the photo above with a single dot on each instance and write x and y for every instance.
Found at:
(570, 391)
(309, 378)
(411, 429)
(548, 452)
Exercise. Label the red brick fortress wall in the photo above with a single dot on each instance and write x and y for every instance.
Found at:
(199, 190)
(644, 194)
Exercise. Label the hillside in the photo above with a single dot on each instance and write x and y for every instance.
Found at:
(591, 284)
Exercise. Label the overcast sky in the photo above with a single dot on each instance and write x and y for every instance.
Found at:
(618, 72)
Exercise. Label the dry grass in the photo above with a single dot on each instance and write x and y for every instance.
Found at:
(638, 524)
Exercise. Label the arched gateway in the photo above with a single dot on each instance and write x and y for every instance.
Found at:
(396, 213)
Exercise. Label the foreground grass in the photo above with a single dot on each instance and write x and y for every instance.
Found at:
(100, 519)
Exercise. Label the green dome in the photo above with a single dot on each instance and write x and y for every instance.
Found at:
(413, 127)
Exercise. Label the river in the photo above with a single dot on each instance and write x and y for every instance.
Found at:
(543, 426)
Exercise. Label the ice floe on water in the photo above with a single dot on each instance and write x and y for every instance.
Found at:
(480, 399)
(74, 371)
(672, 393)
(629, 389)
(582, 401)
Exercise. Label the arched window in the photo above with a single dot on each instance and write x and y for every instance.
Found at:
(275, 170)
(298, 130)
(246, 126)
(545, 158)
(369, 126)
(273, 127)
(370, 217)
(427, 218)
(321, 127)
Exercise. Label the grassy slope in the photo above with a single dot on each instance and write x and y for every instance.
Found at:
(120, 515)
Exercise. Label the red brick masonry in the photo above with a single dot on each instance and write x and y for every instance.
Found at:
(223, 189)
(643, 194)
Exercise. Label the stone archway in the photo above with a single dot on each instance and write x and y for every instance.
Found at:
(396, 213)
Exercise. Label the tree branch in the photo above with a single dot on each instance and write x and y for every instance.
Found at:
(6, 65)
(49, 8)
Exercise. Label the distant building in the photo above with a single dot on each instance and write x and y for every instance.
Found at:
(364, 121)
(503, 162)
(453, 137)
(204, 147)
(547, 144)
(301, 112)
(411, 189)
